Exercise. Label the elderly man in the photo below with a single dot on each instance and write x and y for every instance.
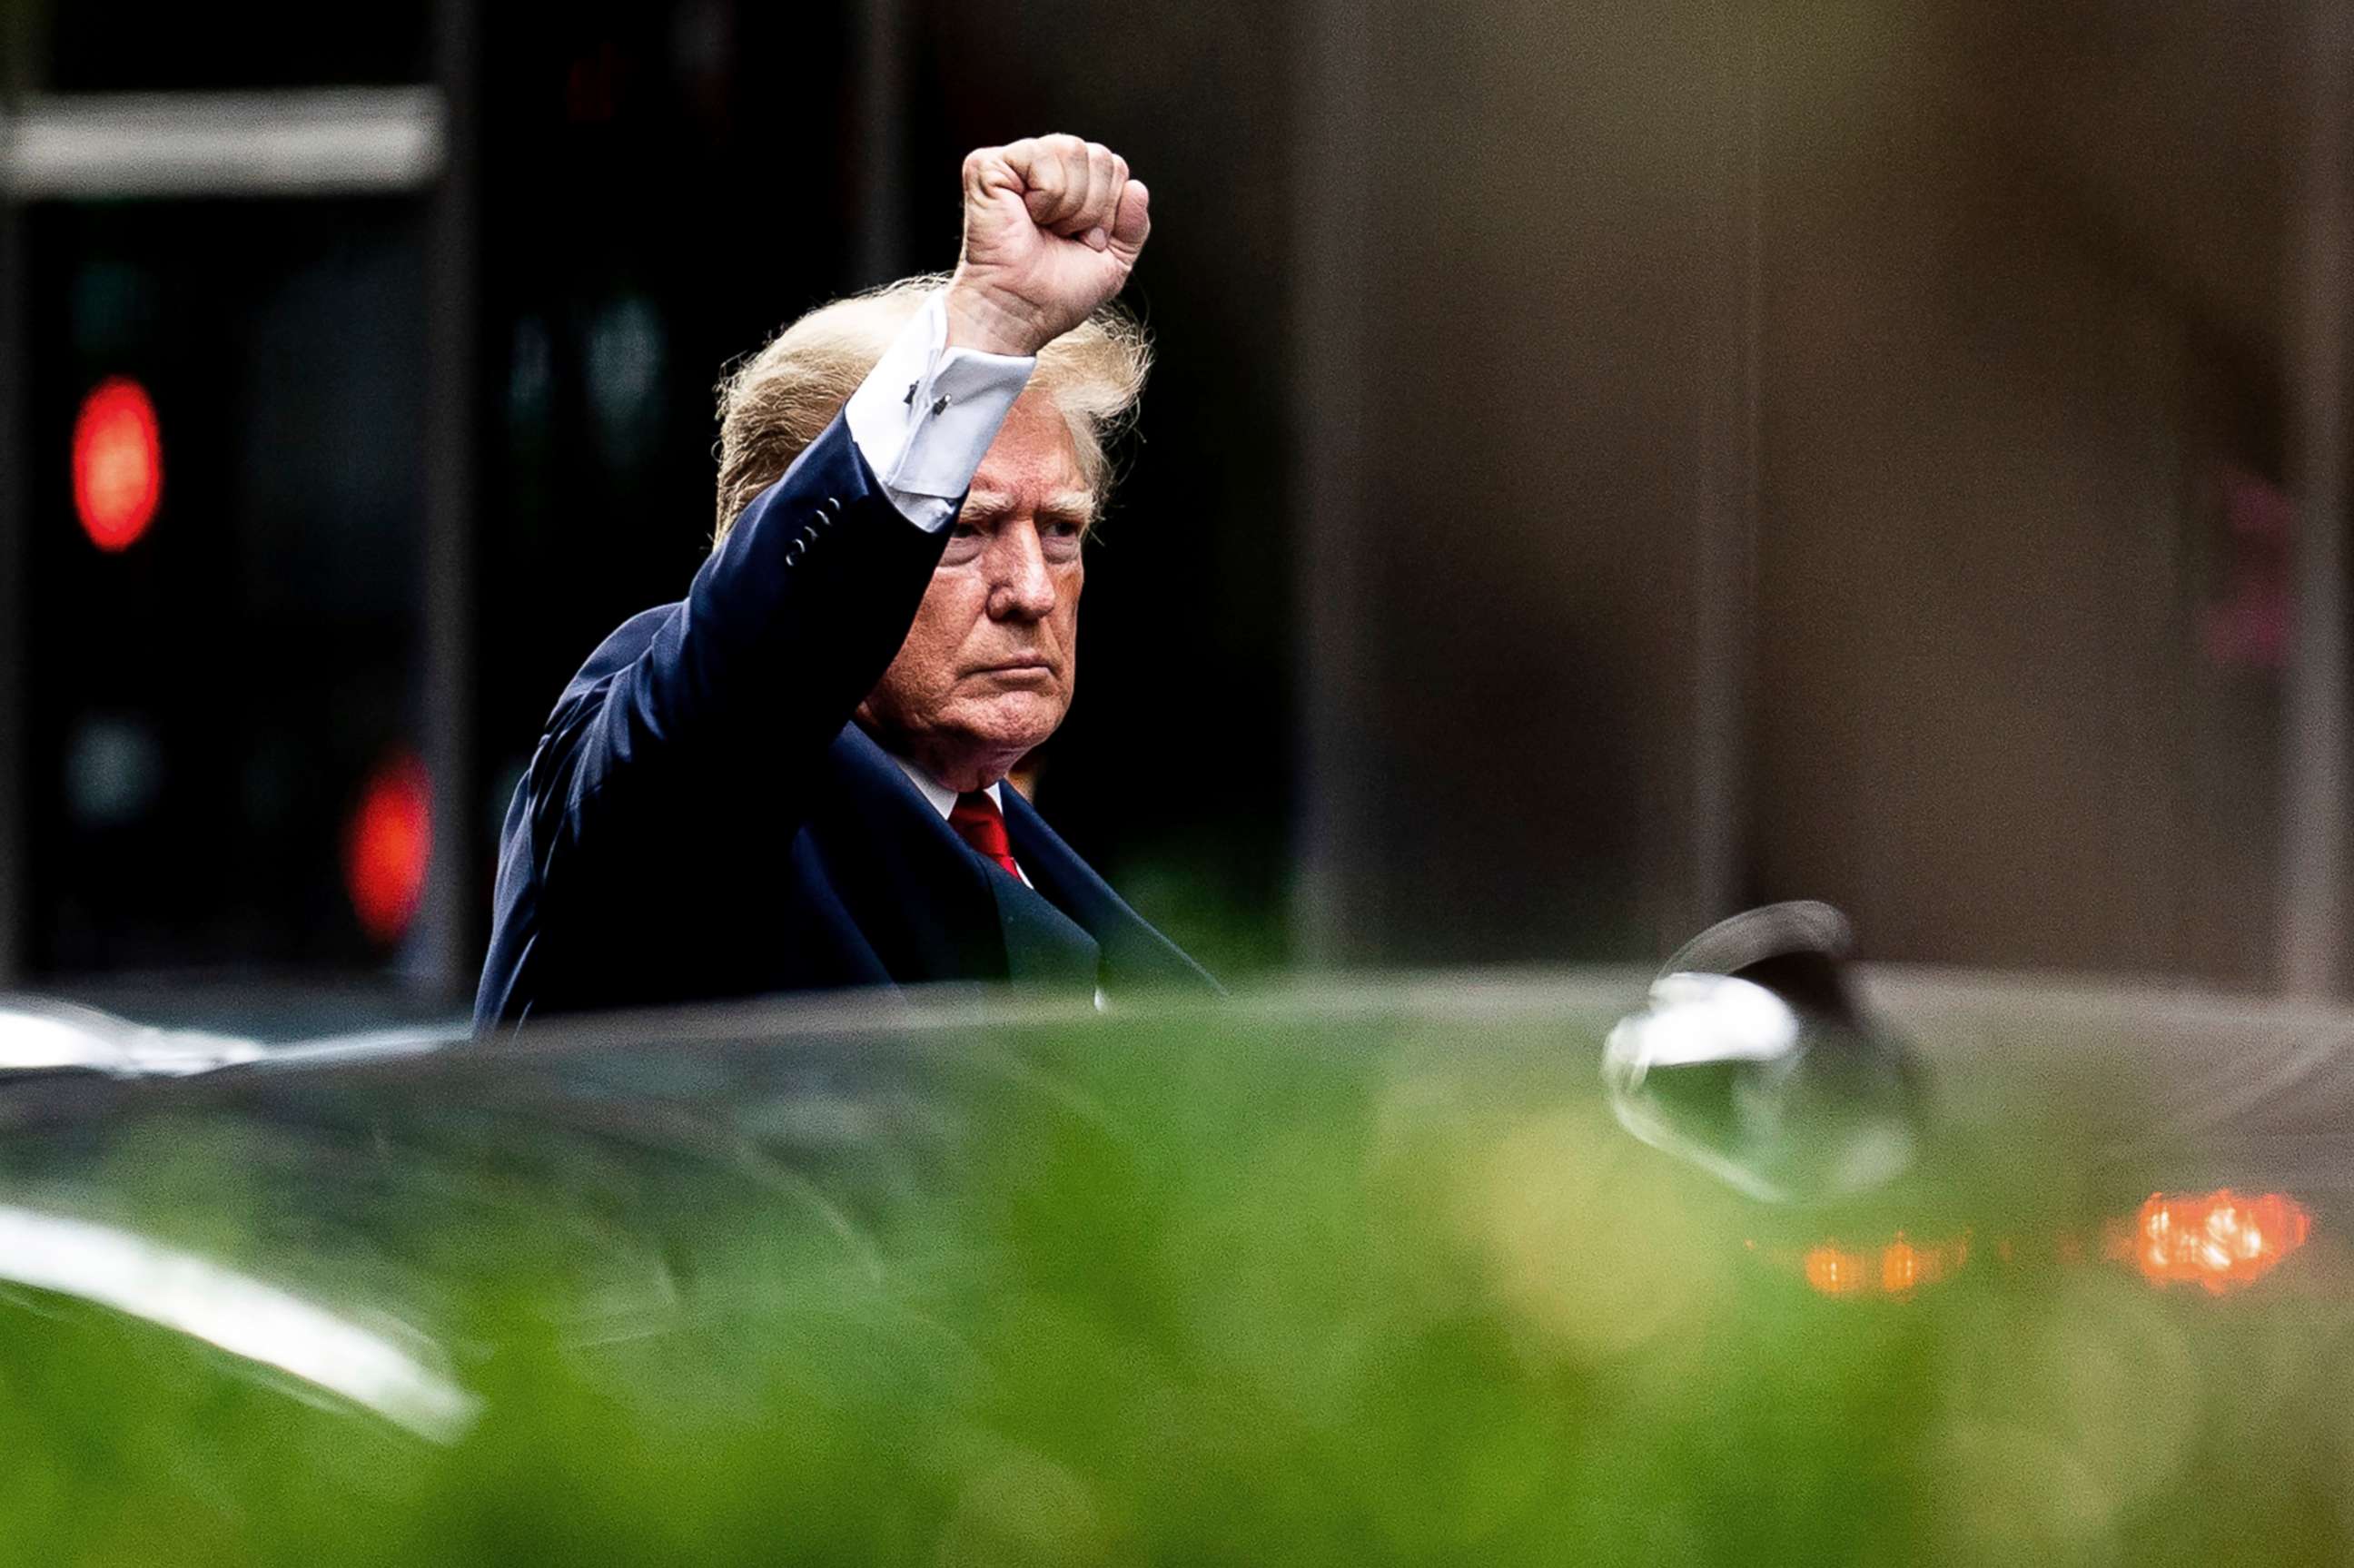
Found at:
(793, 779)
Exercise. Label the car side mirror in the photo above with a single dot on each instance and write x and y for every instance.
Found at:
(1753, 1059)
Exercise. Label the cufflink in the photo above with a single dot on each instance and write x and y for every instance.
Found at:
(941, 406)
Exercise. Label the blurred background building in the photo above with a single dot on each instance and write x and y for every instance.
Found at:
(1607, 465)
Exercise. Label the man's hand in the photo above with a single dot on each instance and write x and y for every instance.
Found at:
(1052, 226)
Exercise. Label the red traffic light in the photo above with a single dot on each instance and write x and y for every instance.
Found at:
(118, 463)
(387, 846)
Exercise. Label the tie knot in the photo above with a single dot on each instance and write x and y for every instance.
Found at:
(978, 821)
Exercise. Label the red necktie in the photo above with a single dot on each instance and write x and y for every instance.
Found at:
(977, 822)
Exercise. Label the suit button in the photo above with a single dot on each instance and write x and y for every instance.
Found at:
(793, 552)
(832, 506)
(808, 535)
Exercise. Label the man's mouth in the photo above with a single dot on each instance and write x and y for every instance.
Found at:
(1019, 669)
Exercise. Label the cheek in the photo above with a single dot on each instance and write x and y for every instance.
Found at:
(920, 673)
(942, 626)
(898, 696)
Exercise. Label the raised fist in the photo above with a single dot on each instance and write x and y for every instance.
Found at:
(1052, 226)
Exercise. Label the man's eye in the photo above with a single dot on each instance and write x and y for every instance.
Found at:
(964, 531)
(1063, 530)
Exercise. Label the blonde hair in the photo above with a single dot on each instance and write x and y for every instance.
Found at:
(773, 404)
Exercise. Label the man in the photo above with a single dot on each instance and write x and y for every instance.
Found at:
(792, 780)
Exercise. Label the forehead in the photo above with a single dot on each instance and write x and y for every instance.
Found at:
(1033, 457)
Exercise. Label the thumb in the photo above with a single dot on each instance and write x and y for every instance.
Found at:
(1132, 222)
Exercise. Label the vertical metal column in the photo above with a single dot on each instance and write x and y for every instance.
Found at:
(16, 540)
(1334, 911)
(445, 953)
(1725, 553)
(2314, 831)
(880, 158)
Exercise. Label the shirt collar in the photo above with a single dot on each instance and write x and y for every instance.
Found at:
(943, 799)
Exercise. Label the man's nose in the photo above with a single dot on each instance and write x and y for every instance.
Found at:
(1020, 586)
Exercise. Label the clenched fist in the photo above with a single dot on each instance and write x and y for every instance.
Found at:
(1052, 226)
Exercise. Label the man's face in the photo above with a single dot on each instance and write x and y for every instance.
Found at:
(987, 669)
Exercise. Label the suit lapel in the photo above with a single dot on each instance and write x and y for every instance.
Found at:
(1133, 952)
(1044, 946)
(915, 889)
(933, 911)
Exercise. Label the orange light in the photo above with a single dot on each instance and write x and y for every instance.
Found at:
(118, 463)
(1833, 1272)
(1898, 1269)
(387, 846)
(2220, 1240)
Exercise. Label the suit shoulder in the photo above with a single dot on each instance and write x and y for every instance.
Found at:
(585, 692)
(622, 648)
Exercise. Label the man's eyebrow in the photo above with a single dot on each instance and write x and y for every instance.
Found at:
(1076, 505)
(1068, 505)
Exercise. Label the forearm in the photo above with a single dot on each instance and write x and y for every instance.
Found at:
(789, 622)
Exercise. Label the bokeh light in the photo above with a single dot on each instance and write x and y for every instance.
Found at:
(387, 847)
(118, 463)
(1897, 1268)
(2219, 1240)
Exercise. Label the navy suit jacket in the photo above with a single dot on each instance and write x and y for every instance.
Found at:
(702, 820)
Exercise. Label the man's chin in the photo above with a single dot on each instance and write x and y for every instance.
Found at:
(1012, 723)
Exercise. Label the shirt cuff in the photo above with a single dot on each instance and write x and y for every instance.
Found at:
(925, 415)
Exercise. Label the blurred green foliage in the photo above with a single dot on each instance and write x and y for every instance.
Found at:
(1188, 1291)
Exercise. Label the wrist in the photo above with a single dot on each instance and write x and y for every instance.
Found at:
(981, 319)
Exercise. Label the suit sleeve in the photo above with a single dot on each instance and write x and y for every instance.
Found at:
(787, 627)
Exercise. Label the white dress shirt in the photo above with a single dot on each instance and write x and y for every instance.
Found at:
(924, 417)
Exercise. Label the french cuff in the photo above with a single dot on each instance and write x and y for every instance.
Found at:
(925, 415)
